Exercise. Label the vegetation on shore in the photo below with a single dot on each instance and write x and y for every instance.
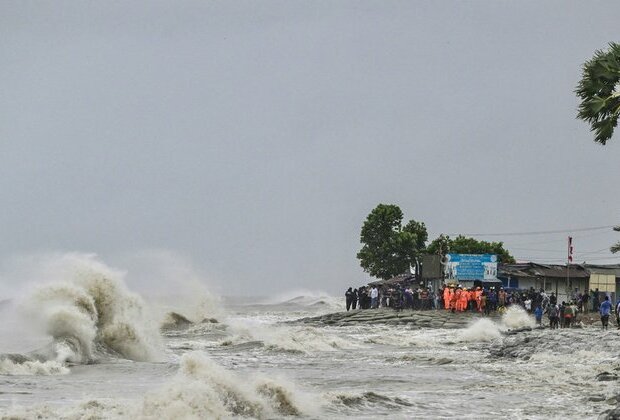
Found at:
(389, 248)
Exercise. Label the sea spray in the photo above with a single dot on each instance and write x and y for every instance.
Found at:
(485, 329)
(171, 283)
(91, 310)
(516, 317)
(482, 330)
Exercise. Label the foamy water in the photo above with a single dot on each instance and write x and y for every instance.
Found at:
(105, 359)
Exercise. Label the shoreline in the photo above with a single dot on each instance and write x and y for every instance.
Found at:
(427, 319)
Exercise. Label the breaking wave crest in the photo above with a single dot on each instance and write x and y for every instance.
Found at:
(286, 339)
(485, 329)
(203, 389)
(21, 365)
(89, 312)
(368, 400)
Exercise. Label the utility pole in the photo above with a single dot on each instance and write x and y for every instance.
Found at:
(568, 261)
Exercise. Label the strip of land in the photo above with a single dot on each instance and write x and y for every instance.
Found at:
(421, 319)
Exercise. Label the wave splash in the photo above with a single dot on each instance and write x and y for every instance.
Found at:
(203, 389)
(90, 313)
(485, 329)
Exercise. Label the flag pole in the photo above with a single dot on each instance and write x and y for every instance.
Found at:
(568, 261)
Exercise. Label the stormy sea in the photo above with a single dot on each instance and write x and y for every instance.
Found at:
(81, 344)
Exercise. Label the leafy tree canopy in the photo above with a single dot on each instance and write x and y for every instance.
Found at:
(388, 248)
(464, 245)
(599, 90)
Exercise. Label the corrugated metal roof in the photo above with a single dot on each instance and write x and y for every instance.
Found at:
(541, 270)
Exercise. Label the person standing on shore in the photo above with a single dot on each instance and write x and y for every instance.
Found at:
(553, 314)
(447, 297)
(585, 300)
(374, 298)
(348, 295)
(354, 299)
(605, 311)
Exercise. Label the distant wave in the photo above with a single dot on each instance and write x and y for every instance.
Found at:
(303, 299)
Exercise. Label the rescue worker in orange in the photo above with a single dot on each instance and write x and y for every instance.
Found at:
(455, 298)
(463, 299)
(447, 297)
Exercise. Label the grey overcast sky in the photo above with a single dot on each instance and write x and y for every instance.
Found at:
(251, 139)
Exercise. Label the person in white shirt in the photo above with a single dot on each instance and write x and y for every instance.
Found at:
(374, 298)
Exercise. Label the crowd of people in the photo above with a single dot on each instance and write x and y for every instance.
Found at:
(457, 298)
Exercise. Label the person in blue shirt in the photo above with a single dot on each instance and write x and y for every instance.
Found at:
(538, 313)
(605, 311)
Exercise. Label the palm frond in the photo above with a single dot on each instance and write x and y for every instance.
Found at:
(598, 90)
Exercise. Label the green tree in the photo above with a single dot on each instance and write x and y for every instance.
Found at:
(599, 90)
(464, 245)
(388, 249)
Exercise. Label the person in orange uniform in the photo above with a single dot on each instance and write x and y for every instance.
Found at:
(466, 295)
(455, 298)
(447, 297)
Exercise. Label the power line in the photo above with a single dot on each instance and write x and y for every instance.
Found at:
(563, 239)
(557, 251)
(543, 260)
(540, 232)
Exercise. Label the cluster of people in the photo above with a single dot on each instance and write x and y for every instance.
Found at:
(364, 297)
(457, 298)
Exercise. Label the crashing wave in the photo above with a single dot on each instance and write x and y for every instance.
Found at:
(90, 313)
(203, 389)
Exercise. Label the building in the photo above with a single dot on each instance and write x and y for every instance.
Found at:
(559, 279)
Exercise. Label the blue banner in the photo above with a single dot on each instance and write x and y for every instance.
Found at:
(470, 266)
